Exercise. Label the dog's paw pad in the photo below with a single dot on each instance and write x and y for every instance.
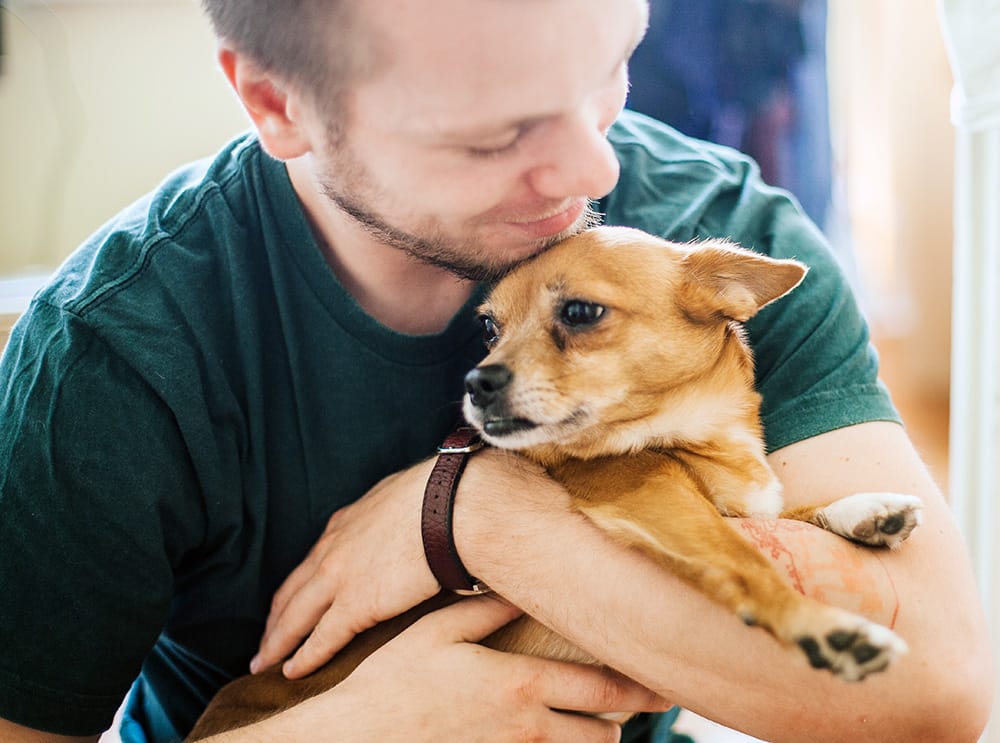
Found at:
(853, 653)
(875, 519)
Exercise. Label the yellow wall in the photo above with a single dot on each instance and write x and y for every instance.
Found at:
(98, 101)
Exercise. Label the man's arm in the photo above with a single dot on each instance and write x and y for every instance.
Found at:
(647, 624)
(516, 530)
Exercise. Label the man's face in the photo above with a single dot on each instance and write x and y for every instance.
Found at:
(482, 139)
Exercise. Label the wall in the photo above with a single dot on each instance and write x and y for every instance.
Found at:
(98, 101)
(890, 89)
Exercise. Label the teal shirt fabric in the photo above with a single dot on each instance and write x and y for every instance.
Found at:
(194, 394)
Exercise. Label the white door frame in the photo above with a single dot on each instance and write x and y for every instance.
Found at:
(971, 29)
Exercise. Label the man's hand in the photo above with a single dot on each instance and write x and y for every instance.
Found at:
(367, 567)
(432, 683)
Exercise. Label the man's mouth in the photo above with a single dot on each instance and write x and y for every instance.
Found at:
(551, 223)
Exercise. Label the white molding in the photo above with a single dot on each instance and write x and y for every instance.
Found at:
(974, 450)
(975, 398)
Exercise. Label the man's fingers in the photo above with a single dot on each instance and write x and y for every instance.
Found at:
(594, 689)
(286, 593)
(472, 619)
(469, 620)
(285, 630)
(561, 686)
(329, 636)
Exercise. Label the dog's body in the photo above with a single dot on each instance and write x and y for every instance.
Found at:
(617, 362)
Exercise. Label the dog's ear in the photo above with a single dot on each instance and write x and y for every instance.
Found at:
(724, 279)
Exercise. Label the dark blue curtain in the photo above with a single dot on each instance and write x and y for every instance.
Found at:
(750, 74)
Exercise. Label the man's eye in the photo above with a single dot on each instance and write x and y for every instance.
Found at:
(492, 152)
(577, 313)
(503, 147)
(491, 331)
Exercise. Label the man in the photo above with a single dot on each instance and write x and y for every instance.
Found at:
(235, 367)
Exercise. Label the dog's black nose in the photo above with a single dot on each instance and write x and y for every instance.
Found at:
(484, 383)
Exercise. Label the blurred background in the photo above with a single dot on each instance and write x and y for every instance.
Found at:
(844, 102)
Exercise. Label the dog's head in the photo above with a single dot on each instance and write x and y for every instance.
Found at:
(615, 340)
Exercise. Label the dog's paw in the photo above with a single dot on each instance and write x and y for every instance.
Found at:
(852, 649)
(875, 519)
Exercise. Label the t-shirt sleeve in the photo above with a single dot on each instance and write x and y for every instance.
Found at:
(816, 368)
(86, 570)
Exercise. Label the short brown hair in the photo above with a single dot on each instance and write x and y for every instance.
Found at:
(314, 45)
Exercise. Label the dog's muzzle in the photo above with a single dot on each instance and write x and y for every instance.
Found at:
(487, 388)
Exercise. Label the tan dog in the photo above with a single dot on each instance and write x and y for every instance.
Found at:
(618, 363)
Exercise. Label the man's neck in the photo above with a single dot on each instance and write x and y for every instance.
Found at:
(400, 292)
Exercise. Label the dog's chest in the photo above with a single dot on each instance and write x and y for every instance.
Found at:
(607, 479)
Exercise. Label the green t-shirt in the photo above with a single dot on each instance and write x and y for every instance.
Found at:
(194, 394)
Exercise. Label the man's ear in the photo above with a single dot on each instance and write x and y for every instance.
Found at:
(267, 103)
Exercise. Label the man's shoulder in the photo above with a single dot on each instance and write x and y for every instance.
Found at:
(675, 185)
(164, 279)
(191, 214)
(644, 143)
(175, 233)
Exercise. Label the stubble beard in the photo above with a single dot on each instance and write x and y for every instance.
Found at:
(463, 258)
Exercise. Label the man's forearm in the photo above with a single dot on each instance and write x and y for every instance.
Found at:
(627, 611)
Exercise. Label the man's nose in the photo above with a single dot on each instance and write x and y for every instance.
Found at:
(580, 161)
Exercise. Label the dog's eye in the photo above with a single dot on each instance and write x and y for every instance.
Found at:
(577, 313)
(491, 331)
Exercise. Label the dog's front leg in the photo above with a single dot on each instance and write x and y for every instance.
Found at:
(671, 521)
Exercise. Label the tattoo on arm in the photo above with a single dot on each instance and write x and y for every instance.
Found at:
(826, 567)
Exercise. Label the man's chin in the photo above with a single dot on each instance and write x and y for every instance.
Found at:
(525, 251)
(528, 249)
(484, 256)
